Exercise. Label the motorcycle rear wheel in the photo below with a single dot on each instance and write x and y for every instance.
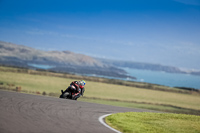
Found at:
(65, 95)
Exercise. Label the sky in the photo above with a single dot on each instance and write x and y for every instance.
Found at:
(165, 32)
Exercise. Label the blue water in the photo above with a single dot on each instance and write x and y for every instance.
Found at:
(41, 66)
(155, 77)
(163, 78)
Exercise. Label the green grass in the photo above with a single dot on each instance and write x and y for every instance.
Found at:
(102, 80)
(132, 122)
(133, 94)
(141, 106)
(34, 82)
(105, 93)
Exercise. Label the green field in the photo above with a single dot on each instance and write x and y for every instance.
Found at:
(143, 122)
(104, 93)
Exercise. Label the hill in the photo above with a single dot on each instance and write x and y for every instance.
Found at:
(70, 62)
(147, 66)
(10, 51)
(62, 61)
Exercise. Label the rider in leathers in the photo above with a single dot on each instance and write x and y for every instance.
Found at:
(79, 89)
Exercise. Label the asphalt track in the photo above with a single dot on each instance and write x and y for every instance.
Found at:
(25, 113)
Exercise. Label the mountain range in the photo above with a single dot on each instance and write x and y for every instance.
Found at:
(62, 61)
(70, 62)
(147, 66)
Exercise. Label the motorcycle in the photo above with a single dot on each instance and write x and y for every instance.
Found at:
(69, 93)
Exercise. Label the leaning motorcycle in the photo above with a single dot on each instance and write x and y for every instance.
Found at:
(68, 93)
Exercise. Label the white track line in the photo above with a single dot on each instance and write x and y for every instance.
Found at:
(102, 122)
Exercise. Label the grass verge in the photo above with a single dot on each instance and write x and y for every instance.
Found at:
(141, 85)
(143, 122)
(162, 108)
(46, 83)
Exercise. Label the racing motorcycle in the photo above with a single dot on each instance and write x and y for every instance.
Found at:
(69, 92)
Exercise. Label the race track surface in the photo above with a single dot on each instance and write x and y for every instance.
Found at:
(25, 113)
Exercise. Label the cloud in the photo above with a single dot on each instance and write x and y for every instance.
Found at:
(40, 32)
(77, 37)
(189, 2)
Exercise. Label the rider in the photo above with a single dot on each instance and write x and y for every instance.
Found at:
(79, 88)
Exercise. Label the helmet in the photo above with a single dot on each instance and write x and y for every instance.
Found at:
(83, 82)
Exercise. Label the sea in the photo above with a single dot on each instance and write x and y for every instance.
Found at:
(154, 77)
(164, 78)
(41, 66)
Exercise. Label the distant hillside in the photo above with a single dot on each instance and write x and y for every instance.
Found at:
(63, 61)
(66, 61)
(146, 66)
(10, 51)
